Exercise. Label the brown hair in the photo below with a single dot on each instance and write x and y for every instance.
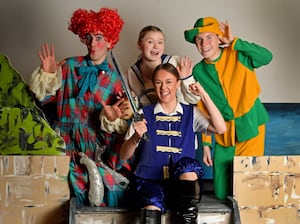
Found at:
(146, 30)
(167, 67)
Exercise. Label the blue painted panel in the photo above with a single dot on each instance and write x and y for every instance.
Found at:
(282, 132)
(283, 129)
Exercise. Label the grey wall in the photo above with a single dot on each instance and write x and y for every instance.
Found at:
(26, 24)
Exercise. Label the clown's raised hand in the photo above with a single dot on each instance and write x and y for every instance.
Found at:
(47, 57)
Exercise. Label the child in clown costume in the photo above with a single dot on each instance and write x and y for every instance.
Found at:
(81, 86)
(228, 75)
(167, 173)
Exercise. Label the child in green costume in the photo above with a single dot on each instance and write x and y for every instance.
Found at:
(227, 73)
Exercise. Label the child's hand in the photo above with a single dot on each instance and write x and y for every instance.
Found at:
(47, 57)
(207, 160)
(126, 110)
(124, 107)
(227, 37)
(112, 112)
(140, 128)
(185, 67)
(196, 89)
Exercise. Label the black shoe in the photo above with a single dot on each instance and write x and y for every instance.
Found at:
(150, 216)
(188, 216)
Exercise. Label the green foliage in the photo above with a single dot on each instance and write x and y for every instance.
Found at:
(23, 128)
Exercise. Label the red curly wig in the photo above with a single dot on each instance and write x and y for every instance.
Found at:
(107, 21)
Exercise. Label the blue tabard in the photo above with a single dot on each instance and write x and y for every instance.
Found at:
(168, 135)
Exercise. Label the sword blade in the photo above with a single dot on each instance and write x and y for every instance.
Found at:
(124, 83)
(136, 115)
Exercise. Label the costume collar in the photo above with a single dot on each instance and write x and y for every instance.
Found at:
(158, 109)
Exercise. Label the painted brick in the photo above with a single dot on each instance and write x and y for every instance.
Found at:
(34, 189)
(267, 188)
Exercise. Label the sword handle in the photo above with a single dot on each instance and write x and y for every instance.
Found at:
(139, 117)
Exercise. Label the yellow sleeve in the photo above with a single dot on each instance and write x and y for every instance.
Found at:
(207, 140)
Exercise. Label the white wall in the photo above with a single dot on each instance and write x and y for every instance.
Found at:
(26, 24)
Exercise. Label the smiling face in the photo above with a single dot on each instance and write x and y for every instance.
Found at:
(97, 47)
(165, 85)
(152, 45)
(208, 45)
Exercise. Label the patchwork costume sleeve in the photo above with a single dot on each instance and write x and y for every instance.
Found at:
(119, 125)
